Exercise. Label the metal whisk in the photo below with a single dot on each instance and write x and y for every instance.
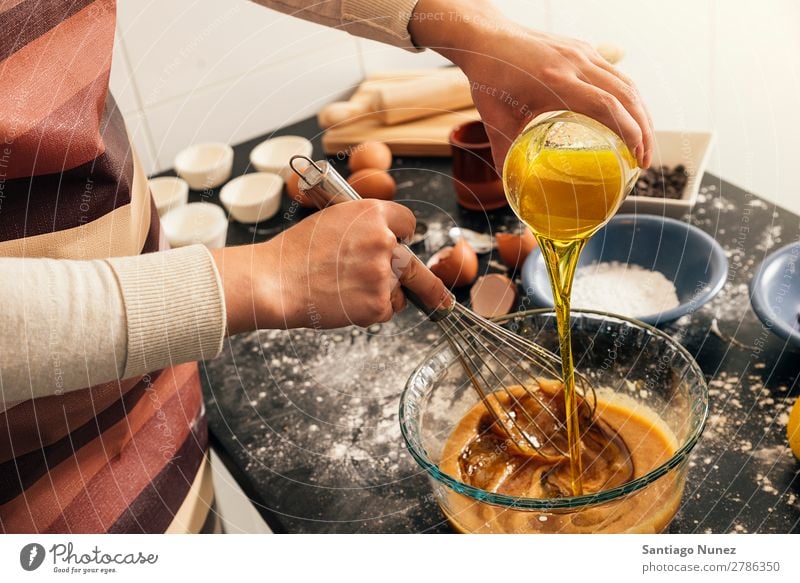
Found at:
(516, 379)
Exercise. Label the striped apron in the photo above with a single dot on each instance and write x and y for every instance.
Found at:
(127, 456)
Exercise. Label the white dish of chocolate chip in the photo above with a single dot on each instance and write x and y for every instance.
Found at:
(662, 181)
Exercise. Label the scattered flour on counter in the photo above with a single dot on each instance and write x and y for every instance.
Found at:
(627, 289)
(732, 304)
(731, 408)
(723, 204)
(758, 203)
(746, 428)
(770, 238)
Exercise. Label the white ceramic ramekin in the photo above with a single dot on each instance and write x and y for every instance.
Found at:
(196, 222)
(169, 192)
(253, 198)
(273, 155)
(206, 165)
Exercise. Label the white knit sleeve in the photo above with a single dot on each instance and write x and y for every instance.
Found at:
(382, 20)
(66, 325)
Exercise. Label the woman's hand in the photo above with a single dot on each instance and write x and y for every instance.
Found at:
(335, 268)
(517, 73)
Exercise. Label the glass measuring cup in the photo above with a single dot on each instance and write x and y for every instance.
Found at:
(566, 175)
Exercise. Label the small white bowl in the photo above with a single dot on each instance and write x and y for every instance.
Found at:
(196, 222)
(205, 165)
(168, 192)
(692, 149)
(273, 155)
(253, 198)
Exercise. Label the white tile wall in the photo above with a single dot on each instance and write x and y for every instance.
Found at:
(377, 56)
(251, 104)
(139, 132)
(667, 51)
(191, 70)
(187, 70)
(180, 46)
(537, 14)
(123, 82)
(756, 89)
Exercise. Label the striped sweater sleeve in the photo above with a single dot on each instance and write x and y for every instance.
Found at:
(381, 20)
(81, 323)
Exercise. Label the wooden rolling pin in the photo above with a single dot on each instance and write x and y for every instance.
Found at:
(395, 97)
(396, 101)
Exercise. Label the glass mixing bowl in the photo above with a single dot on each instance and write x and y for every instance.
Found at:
(628, 362)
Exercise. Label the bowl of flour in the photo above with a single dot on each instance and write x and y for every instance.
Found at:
(647, 267)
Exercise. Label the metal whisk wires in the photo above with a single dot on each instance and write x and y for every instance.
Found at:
(507, 371)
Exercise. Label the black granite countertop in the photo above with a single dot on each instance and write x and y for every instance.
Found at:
(307, 419)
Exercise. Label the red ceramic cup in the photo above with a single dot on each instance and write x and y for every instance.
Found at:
(478, 186)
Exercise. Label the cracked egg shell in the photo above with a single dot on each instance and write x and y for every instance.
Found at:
(456, 266)
(514, 248)
(493, 295)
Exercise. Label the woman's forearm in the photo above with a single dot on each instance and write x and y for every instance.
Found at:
(66, 325)
(454, 29)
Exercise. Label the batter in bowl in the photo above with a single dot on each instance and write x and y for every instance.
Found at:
(620, 441)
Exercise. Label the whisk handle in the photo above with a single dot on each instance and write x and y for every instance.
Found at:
(324, 186)
(402, 259)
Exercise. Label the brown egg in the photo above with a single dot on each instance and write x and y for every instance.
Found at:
(370, 155)
(456, 266)
(371, 183)
(514, 248)
(493, 295)
(293, 190)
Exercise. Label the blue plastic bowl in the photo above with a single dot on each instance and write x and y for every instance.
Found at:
(687, 256)
(775, 292)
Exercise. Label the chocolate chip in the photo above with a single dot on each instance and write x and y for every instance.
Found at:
(662, 181)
